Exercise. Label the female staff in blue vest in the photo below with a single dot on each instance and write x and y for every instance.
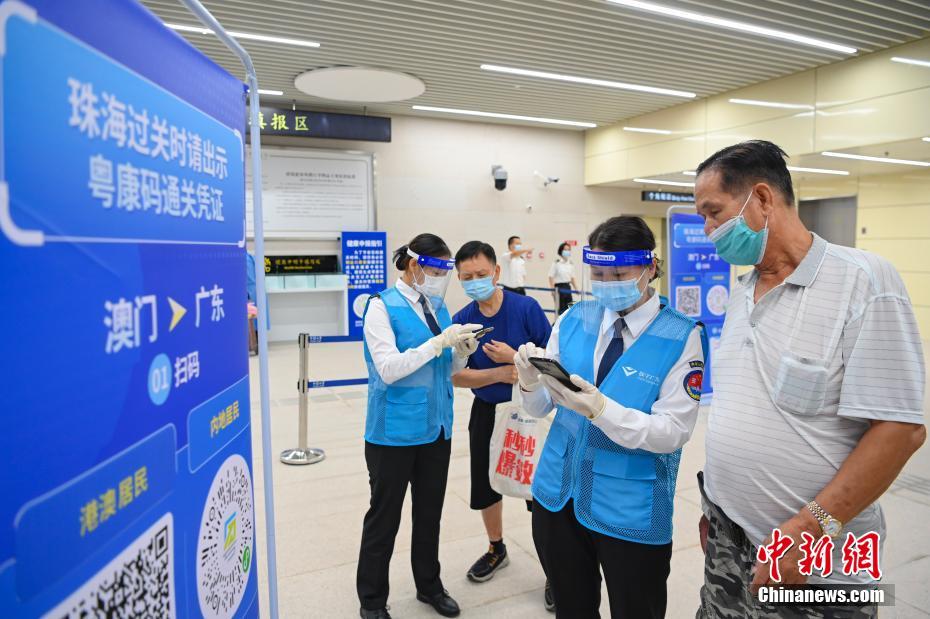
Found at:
(605, 482)
(412, 349)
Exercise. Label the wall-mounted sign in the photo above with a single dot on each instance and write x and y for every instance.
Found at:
(667, 196)
(699, 281)
(365, 257)
(301, 123)
(278, 265)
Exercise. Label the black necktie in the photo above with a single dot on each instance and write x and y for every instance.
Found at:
(613, 352)
(430, 319)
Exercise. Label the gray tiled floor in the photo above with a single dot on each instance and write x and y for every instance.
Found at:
(319, 512)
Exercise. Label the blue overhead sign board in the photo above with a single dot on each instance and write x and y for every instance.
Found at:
(126, 452)
(365, 263)
(699, 280)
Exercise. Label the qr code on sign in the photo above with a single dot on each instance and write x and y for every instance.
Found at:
(137, 583)
(688, 300)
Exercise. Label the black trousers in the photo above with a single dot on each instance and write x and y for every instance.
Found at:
(565, 296)
(520, 290)
(390, 469)
(574, 555)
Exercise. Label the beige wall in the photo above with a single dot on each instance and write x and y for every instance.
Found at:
(435, 176)
(861, 101)
(893, 221)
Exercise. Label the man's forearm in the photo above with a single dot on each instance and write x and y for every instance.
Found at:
(476, 379)
(870, 468)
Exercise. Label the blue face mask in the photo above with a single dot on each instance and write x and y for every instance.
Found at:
(617, 296)
(479, 289)
(739, 244)
(566, 254)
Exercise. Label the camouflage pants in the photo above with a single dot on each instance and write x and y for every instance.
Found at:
(728, 562)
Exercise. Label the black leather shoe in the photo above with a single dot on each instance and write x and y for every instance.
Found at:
(442, 603)
(380, 613)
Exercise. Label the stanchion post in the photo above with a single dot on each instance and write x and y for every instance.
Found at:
(303, 454)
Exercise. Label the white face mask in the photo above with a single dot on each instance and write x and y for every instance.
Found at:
(432, 286)
(517, 247)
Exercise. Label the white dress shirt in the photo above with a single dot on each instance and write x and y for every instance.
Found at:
(392, 365)
(674, 413)
(514, 275)
(562, 271)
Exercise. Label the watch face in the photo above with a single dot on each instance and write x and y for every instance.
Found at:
(832, 528)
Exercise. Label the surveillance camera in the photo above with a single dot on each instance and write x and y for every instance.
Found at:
(546, 180)
(500, 177)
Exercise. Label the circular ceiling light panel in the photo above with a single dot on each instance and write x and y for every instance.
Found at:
(359, 84)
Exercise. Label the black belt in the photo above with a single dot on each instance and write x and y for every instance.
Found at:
(734, 531)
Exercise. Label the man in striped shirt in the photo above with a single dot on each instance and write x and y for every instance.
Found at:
(818, 392)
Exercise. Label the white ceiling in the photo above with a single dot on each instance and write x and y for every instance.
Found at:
(444, 42)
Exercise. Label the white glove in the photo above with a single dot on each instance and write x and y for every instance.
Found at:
(527, 374)
(453, 335)
(466, 347)
(589, 402)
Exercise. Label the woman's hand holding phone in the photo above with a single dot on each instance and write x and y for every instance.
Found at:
(528, 375)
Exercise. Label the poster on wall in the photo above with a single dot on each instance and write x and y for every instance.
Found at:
(365, 262)
(313, 193)
(699, 280)
(126, 451)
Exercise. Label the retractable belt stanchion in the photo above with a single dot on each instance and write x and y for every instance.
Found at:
(303, 454)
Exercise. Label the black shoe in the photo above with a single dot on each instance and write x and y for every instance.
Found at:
(548, 600)
(485, 567)
(380, 613)
(441, 603)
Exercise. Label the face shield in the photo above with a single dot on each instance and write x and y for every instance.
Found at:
(613, 281)
(431, 277)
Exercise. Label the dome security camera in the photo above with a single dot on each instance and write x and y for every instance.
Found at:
(500, 177)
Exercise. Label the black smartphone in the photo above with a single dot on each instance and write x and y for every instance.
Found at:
(480, 333)
(551, 367)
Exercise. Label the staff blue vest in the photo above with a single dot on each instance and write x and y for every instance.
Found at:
(414, 409)
(620, 492)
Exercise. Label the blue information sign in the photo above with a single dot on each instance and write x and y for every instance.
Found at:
(365, 263)
(126, 451)
(699, 281)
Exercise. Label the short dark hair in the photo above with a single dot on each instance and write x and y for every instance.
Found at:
(473, 249)
(510, 240)
(751, 162)
(624, 233)
(424, 244)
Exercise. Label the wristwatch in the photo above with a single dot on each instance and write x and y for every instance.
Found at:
(828, 524)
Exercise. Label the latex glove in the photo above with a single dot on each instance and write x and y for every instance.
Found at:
(589, 402)
(527, 374)
(453, 335)
(466, 347)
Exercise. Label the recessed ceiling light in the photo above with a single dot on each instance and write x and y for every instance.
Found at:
(787, 106)
(359, 84)
(550, 121)
(734, 25)
(276, 93)
(647, 130)
(245, 35)
(690, 173)
(925, 139)
(914, 61)
(818, 170)
(925, 164)
(655, 181)
(587, 80)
